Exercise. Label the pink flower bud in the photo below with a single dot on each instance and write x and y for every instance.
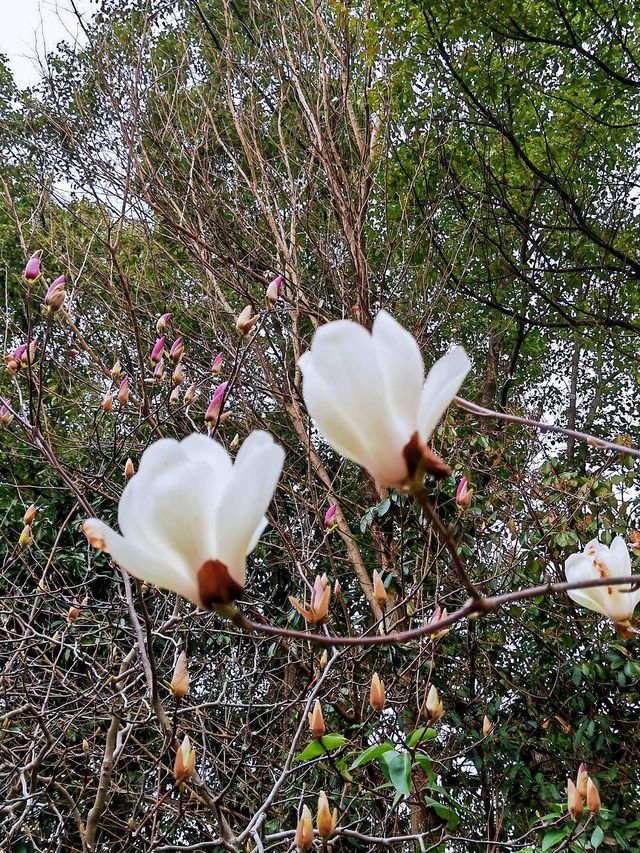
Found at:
(177, 350)
(32, 269)
(328, 518)
(464, 494)
(216, 364)
(246, 321)
(158, 349)
(273, 291)
(54, 297)
(107, 402)
(213, 410)
(174, 397)
(6, 416)
(190, 395)
(123, 391)
(178, 374)
(158, 371)
(162, 322)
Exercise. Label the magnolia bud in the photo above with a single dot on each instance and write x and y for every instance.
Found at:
(6, 415)
(216, 364)
(325, 820)
(180, 679)
(185, 761)
(581, 780)
(123, 391)
(487, 726)
(273, 291)
(178, 374)
(85, 746)
(174, 396)
(435, 707)
(316, 721)
(328, 516)
(593, 797)
(107, 402)
(129, 470)
(324, 659)
(213, 409)
(464, 495)
(379, 591)
(246, 321)
(55, 640)
(235, 441)
(377, 696)
(29, 515)
(190, 395)
(32, 269)
(304, 831)
(574, 801)
(337, 588)
(158, 372)
(116, 370)
(162, 322)
(177, 351)
(156, 352)
(73, 614)
(26, 537)
(55, 295)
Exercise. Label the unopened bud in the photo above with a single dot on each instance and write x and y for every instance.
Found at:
(162, 322)
(85, 746)
(32, 269)
(180, 679)
(324, 659)
(377, 696)
(26, 537)
(593, 797)
(273, 291)
(177, 377)
(487, 726)
(329, 514)
(55, 295)
(325, 820)
(156, 352)
(316, 721)
(435, 707)
(55, 640)
(235, 441)
(304, 831)
(174, 396)
(246, 321)
(29, 514)
(116, 370)
(158, 372)
(213, 409)
(337, 588)
(379, 591)
(123, 391)
(107, 402)
(581, 780)
(216, 364)
(129, 470)
(464, 495)
(574, 801)
(73, 613)
(177, 351)
(185, 762)
(190, 395)
(6, 415)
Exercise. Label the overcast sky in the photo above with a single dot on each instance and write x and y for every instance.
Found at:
(31, 28)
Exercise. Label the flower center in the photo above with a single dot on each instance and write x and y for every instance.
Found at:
(215, 584)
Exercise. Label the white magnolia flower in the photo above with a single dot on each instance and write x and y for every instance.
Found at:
(189, 517)
(599, 561)
(368, 397)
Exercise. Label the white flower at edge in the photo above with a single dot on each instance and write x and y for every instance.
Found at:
(599, 561)
(368, 396)
(189, 517)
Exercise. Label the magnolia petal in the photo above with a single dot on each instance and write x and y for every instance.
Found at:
(585, 599)
(142, 563)
(402, 367)
(579, 567)
(619, 559)
(444, 379)
(246, 498)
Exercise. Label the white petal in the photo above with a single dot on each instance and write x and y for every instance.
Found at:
(579, 567)
(246, 498)
(444, 379)
(402, 367)
(144, 564)
(619, 559)
(582, 597)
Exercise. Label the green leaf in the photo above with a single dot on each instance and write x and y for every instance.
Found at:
(321, 747)
(597, 837)
(333, 741)
(421, 734)
(369, 754)
(553, 837)
(398, 767)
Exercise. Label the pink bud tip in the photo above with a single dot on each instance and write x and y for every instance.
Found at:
(462, 488)
(5, 406)
(19, 352)
(273, 290)
(60, 281)
(158, 349)
(213, 409)
(124, 385)
(175, 353)
(163, 319)
(216, 364)
(328, 518)
(32, 269)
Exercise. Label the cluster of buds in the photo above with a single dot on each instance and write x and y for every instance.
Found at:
(22, 356)
(583, 790)
(379, 589)
(464, 495)
(435, 708)
(185, 762)
(318, 609)
(180, 678)
(246, 321)
(6, 415)
(273, 291)
(329, 523)
(377, 696)
(316, 721)
(212, 415)
(55, 295)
